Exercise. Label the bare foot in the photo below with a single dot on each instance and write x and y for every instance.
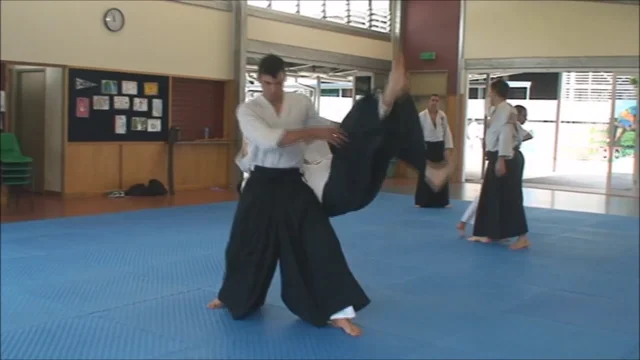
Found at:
(215, 304)
(448, 206)
(348, 326)
(461, 228)
(521, 243)
(482, 239)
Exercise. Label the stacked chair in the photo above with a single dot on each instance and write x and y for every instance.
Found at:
(17, 173)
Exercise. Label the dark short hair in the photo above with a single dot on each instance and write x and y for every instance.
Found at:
(501, 88)
(271, 65)
(521, 109)
(434, 95)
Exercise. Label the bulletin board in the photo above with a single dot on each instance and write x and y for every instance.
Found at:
(107, 106)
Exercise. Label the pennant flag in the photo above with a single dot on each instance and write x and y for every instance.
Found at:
(84, 84)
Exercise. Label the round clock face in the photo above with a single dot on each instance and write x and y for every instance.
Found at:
(114, 20)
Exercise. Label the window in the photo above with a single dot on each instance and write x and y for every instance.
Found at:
(288, 6)
(330, 92)
(365, 14)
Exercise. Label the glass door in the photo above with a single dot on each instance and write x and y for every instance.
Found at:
(623, 138)
(585, 122)
(476, 117)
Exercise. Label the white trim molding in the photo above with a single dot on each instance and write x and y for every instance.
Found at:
(559, 64)
(317, 57)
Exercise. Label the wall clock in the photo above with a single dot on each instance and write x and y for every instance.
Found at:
(114, 19)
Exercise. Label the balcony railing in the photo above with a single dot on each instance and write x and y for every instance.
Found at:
(365, 14)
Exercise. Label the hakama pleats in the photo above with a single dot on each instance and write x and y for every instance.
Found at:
(279, 218)
(425, 196)
(500, 214)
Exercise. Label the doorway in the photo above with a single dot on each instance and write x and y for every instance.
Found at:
(29, 118)
(584, 127)
(36, 118)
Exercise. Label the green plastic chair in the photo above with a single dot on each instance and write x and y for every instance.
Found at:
(10, 152)
(15, 168)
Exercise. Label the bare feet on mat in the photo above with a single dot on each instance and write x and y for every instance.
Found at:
(215, 304)
(461, 228)
(482, 239)
(348, 326)
(521, 243)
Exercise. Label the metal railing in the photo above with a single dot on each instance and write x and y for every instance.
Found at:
(374, 15)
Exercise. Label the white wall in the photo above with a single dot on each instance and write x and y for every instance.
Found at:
(164, 37)
(54, 129)
(525, 28)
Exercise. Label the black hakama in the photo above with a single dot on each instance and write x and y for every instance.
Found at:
(425, 196)
(359, 168)
(500, 213)
(280, 218)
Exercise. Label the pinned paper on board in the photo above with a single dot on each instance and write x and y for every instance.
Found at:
(130, 87)
(151, 88)
(154, 125)
(140, 104)
(82, 107)
(84, 84)
(121, 102)
(139, 124)
(100, 102)
(120, 124)
(109, 87)
(156, 107)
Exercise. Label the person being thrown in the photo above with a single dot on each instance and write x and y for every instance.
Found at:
(279, 218)
(348, 178)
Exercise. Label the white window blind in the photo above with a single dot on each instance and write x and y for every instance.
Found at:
(365, 14)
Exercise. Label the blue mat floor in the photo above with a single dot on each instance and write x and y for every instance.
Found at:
(134, 286)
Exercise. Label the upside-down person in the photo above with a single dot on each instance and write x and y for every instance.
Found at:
(279, 218)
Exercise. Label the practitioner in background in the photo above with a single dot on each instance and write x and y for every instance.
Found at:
(500, 213)
(469, 215)
(439, 145)
(279, 218)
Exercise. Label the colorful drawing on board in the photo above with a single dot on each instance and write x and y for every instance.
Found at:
(100, 102)
(121, 102)
(84, 84)
(154, 125)
(626, 112)
(156, 107)
(140, 104)
(151, 88)
(109, 87)
(82, 107)
(139, 124)
(130, 87)
(120, 124)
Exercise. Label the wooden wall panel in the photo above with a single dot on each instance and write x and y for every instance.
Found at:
(201, 165)
(141, 162)
(96, 168)
(92, 168)
(3, 75)
(198, 104)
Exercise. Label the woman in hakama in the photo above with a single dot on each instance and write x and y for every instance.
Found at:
(279, 218)
(469, 215)
(438, 145)
(500, 214)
